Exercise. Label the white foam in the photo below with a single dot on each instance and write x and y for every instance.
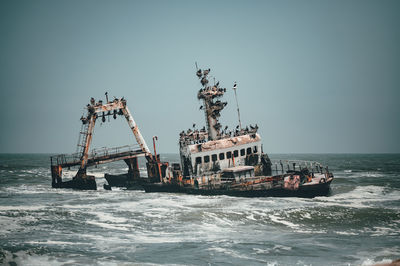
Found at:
(383, 231)
(22, 208)
(384, 254)
(306, 215)
(107, 217)
(27, 258)
(346, 233)
(233, 253)
(360, 197)
(278, 248)
(220, 221)
(52, 242)
(8, 225)
(368, 262)
(278, 220)
(251, 217)
(124, 227)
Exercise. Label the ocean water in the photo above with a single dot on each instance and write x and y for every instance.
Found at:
(359, 224)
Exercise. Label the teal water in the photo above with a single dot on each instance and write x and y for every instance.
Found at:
(359, 224)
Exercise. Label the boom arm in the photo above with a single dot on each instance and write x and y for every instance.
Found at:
(90, 119)
(139, 138)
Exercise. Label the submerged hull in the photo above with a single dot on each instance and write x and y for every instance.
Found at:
(78, 183)
(124, 181)
(304, 191)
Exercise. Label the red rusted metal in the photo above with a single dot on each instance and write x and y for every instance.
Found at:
(157, 159)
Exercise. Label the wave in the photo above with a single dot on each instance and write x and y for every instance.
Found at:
(362, 197)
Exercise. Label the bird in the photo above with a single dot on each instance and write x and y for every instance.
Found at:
(194, 125)
(234, 85)
(201, 107)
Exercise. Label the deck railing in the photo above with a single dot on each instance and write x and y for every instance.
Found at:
(75, 158)
(279, 167)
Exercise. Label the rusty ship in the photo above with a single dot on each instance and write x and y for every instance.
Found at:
(218, 161)
(213, 160)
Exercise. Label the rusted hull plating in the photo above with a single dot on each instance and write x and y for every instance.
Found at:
(304, 191)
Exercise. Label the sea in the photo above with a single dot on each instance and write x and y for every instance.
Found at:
(358, 224)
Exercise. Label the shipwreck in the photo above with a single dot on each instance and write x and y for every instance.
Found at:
(213, 159)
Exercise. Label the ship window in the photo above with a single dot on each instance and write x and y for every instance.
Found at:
(242, 152)
(235, 153)
(229, 155)
(248, 150)
(198, 159)
(206, 159)
(214, 157)
(222, 156)
(255, 149)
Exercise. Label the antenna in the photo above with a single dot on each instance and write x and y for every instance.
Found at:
(196, 65)
(237, 104)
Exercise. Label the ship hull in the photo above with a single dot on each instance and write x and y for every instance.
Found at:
(116, 180)
(304, 191)
(78, 183)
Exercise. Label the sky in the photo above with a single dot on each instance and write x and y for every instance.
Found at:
(315, 76)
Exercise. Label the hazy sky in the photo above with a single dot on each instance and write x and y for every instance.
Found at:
(316, 76)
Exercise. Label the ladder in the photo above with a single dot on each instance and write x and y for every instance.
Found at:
(83, 133)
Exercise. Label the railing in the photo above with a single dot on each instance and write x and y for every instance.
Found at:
(75, 158)
(279, 167)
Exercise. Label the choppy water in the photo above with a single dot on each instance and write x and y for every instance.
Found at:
(358, 225)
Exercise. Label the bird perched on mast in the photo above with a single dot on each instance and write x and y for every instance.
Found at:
(198, 73)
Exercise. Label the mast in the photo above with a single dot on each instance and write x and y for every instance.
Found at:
(237, 105)
(211, 108)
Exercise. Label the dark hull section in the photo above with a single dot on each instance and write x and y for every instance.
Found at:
(305, 191)
(122, 180)
(78, 183)
(116, 180)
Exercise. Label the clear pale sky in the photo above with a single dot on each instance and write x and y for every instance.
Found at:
(316, 76)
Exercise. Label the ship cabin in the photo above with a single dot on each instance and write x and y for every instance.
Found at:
(211, 157)
(237, 174)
